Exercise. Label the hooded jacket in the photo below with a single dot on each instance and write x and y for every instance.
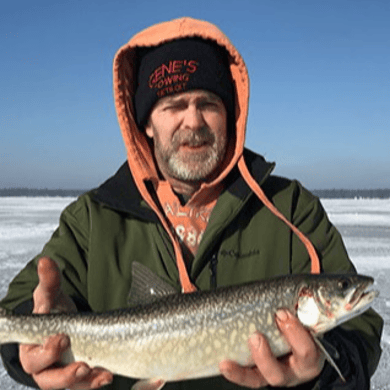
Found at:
(261, 226)
(139, 153)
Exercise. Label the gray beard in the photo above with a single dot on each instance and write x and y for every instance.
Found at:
(192, 167)
(198, 166)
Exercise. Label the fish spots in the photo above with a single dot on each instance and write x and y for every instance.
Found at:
(200, 353)
(34, 329)
(180, 350)
(192, 342)
(203, 336)
(233, 337)
(26, 328)
(252, 328)
(164, 360)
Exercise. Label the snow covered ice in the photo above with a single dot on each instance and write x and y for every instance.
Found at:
(27, 223)
(365, 227)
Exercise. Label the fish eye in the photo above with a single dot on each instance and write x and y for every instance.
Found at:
(344, 284)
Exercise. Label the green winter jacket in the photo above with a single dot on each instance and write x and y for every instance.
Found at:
(105, 230)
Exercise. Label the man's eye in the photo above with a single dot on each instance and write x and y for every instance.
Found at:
(209, 105)
(173, 107)
(169, 108)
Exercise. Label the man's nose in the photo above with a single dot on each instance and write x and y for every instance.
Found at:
(193, 118)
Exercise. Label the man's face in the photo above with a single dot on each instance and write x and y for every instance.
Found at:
(189, 131)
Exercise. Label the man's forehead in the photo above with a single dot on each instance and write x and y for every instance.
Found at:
(194, 94)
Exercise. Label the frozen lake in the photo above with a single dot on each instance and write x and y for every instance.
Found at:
(27, 223)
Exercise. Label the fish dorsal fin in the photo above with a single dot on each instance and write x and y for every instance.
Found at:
(146, 286)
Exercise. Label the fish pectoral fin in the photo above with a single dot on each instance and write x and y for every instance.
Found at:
(149, 384)
(329, 358)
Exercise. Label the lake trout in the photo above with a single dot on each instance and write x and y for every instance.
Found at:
(186, 336)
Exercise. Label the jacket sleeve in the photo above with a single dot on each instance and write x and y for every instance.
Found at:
(69, 241)
(357, 341)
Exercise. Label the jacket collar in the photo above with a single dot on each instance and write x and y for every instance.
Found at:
(120, 192)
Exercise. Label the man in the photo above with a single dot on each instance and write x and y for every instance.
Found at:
(188, 205)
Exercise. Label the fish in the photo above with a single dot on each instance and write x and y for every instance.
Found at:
(177, 336)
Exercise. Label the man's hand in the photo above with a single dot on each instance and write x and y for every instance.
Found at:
(42, 361)
(303, 364)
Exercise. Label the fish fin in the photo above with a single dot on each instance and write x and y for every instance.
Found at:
(146, 286)
(329, 358)
(149, 384)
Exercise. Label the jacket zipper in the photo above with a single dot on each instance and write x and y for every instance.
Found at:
(213, 271)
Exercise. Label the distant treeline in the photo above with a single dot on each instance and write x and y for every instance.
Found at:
(39, 192)
(351, 194)
(332, 193)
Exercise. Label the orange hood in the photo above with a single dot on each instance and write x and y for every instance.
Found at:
(138, 151)
(139, 154)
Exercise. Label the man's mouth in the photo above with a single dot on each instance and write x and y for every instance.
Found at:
(194, 145)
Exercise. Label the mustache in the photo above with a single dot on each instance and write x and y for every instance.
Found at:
(193, 138)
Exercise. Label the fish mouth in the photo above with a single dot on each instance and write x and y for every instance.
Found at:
(361, 297)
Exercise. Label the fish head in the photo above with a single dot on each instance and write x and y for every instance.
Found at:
(326, 301)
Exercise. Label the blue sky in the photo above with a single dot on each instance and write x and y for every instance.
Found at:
(319, 71)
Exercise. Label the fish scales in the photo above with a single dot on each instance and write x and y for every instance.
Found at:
(181, 336)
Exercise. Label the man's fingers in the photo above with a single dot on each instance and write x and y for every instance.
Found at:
(243, 376)
(306, 359)
(304, 363)
(62, 377)
(267, 370)
(27, 354)
(97, 378)
(48, 295)
(268, 365)
(87, 378)
(296, 335)
(41, 361)
(75, 376)
(48, 287)
(35, 358)
(49, 274)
